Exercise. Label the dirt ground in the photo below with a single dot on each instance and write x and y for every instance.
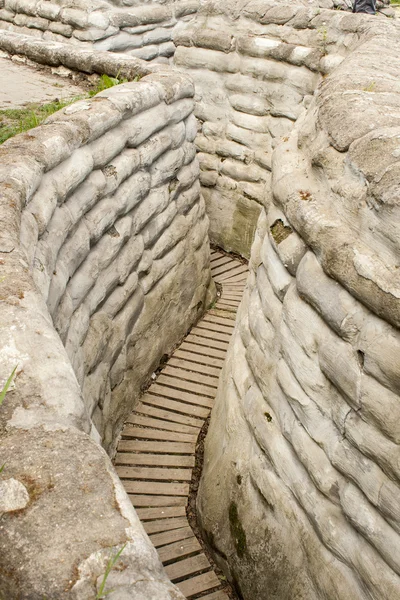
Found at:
(22, 85)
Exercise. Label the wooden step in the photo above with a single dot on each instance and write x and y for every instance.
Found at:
(192, 366)
(167, 537)
(227, 275)
(220, 595)
(156, 488)
(188, 566)
(167, 415)
(220, 270)
(156, 447)
(190, 376)
(181, 395)
(196, 349)
(165, 525)
(200, 583)
(130, 431)
(154, 473)
(179, 407)
(148, 514)
(207, 342)
(226, 323)
(187, 386)
(166, 460)
(200, 359)
(146, 500)
(222, 314)
(137, 419)
(179, 549)
(212, 332)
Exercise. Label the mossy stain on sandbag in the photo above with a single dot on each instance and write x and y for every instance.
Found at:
(280, 231)
(237, 531)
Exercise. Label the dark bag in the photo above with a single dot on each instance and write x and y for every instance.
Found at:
(364, 6)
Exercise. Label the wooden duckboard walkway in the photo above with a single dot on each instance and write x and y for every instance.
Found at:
(156, 452)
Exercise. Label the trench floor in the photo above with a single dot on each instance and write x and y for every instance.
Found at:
(157, 450)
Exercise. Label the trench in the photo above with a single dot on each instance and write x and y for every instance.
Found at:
(156, 456)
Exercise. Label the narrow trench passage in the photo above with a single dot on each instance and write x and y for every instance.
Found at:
(156, 453)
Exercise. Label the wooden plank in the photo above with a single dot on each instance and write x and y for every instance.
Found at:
(130, 431)
(157, 501)
(193, 367)
(146, 514)
(182, 407)
(161, 539)
(235, 286)
(213, 333)
(210, 318)
(199, 340)
(154, 473)
(181, 384)
(136, 419)
(153, 488)
(242, 278)
(236, 270)
(227, 267)
(183, 374)
(234, 303)
(232, 295)
(156, 447)
(221, 314)
(215, 329)
(152, 411)
(166, 460)
(220, 595)
(165, 525)
(218, 261)
(179, 549)
(181, 395)
(188, 347)
(226, 307)
(201, 583)
(188, 566)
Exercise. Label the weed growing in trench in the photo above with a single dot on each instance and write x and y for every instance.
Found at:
(110, 565)
(7, 385)
(3, 395)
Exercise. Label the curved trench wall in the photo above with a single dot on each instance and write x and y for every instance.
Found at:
(140, 29)
(256, 65)
(104, 266)
(300, 494)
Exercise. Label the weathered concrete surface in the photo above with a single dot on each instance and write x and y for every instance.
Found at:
(104, 265)
(24, 85)
(300, 493)
(255, 65)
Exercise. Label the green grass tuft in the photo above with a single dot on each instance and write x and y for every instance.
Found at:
(7, 385)
(105, 82)
(19, 120)
(110, 565)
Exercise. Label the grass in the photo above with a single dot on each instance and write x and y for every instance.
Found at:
(18, 120)
(3, 395)
(110, 565)
(7, 385)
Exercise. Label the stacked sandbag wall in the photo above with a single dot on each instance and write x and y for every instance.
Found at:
(104, 266)
(140, 29)
(255, 65)
(300, 494)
